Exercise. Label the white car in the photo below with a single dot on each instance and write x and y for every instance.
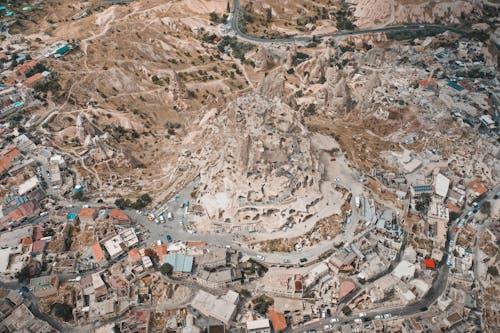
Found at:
(334, 320)
(85, 206)
(358, 320)
(387, 315)
(328, 327)
(42, 214)
(261, 257)
(379, 317)
(362, 315)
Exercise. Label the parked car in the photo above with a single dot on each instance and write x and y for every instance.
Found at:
(334, 320)
(387, 315)
(328, 327)
(303, 260)
(261, 257)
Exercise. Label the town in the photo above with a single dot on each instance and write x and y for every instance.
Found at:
(283, 222)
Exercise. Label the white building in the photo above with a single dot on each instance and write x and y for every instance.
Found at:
(441, 185)
(213, 306)
(115, 246)
(29, 185)
(258, 326)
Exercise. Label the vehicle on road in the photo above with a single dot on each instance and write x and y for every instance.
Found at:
(286, 261)
(334, 320)
(169, 238)
(170, 216)
(228, 246)
(362, 315)
(358, 320)
(379, 317)
(357, 202)
(42, 214)
(333, 159)
(387, 315)
(328, 327)
(303, 260)
(261, 257)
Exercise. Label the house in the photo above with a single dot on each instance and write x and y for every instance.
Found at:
(98, 254)
(418, 190)
(119, 217)
(115, 246)
(278, 321)
(222, 308)
(346, 287)
(180, 263)
(441, 186)
(430, 264)
(258, 326)
(134, 256)
(28, 186)
(475, 190)
(87, 215)
(32, 80)
(44, 286)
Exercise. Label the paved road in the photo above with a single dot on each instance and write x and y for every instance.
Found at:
(304, 39)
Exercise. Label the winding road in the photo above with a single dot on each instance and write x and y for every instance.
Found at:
(235, 18)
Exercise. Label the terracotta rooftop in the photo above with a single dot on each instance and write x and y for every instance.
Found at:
(277, 320)
(346, 287)
(118, 215)
(98, 254)
(33, 79)
(87, 212)
(477, 187)
(134, 255)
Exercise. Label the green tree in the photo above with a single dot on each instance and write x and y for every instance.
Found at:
(63, 311)
(166, 269)
(214, 17)
(486, 208)
(493, 270)
(245, 293)
(347, 310)
(269, 15)
(48, 232)
(422, 204)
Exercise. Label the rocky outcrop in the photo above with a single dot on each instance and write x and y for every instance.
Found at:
(265, 170)
(264, 60)
(177, 87)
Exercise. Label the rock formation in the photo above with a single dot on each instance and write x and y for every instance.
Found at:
(264, 172)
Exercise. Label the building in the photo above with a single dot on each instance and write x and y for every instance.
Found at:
(22, 320)
(315, 274)
(87, 215)
(215, 279)
(258, 326)
(180, 263)
(129, 237)
(418, 190)
(475, 190)
(278, 321)
(221, 308)
(29, 185)
(119, 217)
(115, 247)
(284, 284)
(346, 287)
(404, 270)
(98, 254)
(441, 186)
(44, 286)
(98, 286)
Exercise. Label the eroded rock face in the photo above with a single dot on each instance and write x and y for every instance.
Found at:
(265, 170)
(264, 60)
